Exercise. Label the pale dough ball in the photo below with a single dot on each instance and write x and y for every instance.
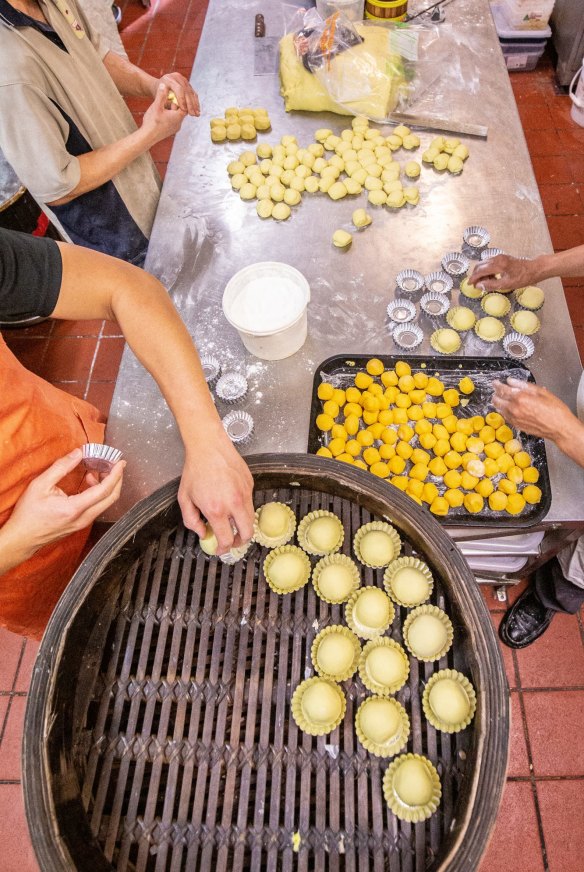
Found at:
(302, 171)
(233, 131)
(257, 179)
(461, 151)
(238, 180)
(349, 155)
(450, 144)
(263, 192)
(374, 170)
(311, 184)
(287, 177)
(358, 141)
(412, 169)
(264, 207)
(441, 162)
(352, 166)
(297, 184)
(373, 184)
(360, 175)
(385, 160)
(319, 164)
(438, 143)
(278, 160)
(411, 141)
(218, 134)
(291, 197)
(342, 147)
(308, 160)
(381, 150)
(331, 142)
(292, 150)
(336, 161)
(276, 170)
(391, 172)
(360, 218)
(217, 122)
(396, 199)
(248, 131)
(281, 211)
(291, 162)
(277, 192)
(352, 186)
(390, 187)
(347, 135)
(402, 130)
(251, 171)
(330, 172)
(455, 165)
(430, 155)
(264, 150)
(262, 122)
(325, 184)
(246, 117)
(342, 239)
(279, 151)
(413, 783)
(377, 198)
(366, 157)
(247, 191)
(337, 191)
(412, 195)
(288, 140)
(394, 142)
(247, 158)
(209, 542)
(316, 148)
(270, 181)
(265, 166)
(234, 167)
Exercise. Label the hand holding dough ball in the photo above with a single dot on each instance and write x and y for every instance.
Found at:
(342, 239)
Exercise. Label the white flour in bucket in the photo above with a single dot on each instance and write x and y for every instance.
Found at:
(267, 304)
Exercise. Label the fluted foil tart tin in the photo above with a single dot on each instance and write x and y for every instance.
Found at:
(476, 236)
(518, 294)
(410, 280)
(435, 341)
(439, 282)
(397, 566)
(312, 727)
(304, 528)
(273, 542)
(231, 387)
(408, 336)
(100, 458)
(405, 810)
(455, 263)
(401, 310)
(488, 301)
(435, 303)
(525, 313)
(421, 612)
(211, 368)
(458, 310)
(335, 560)
(518, 346)
(274, 555)
(480, 324)
(238, 426)
(377, 527)
(383, 689)
(346, 633)
(437, 722)
(359, 627)
(491, 252)
(394, 743)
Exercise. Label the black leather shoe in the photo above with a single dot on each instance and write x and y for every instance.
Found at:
(525, 621)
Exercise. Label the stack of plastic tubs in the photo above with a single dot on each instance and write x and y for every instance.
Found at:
(522, 49)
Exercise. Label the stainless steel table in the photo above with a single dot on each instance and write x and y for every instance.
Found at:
(204, 233)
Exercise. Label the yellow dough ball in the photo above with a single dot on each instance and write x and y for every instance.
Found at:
(439, 506)
(454, 497)
(498, 501)
(454, 165)
(325, 391)
(360, 218)
(218, 134)
(466, 385)
(233, 131)
(531, 494)
(441, 162)
(522, 459)
(264, 208)
(373, 366)
(412, 169)
(473, 503)
(515, 504)
(324, 452)
(530, 475)
(281, 211)
(248, 131)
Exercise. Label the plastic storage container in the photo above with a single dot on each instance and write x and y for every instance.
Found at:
(528, 14)
(522, 49)
(266, 303)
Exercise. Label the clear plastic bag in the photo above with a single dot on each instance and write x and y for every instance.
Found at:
(372, 68)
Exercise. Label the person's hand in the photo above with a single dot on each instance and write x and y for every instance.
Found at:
(159, 122)
(44, 513)
(218, 485)
(186, 97)
(502, 272)
(532, 408)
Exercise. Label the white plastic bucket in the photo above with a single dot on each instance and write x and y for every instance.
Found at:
(266, 303)
(577, 96)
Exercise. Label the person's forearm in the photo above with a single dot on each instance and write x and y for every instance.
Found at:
(129, 79)
(14, 549)
(561, 264)
(97, 286)
(100, 166)
(571, 440)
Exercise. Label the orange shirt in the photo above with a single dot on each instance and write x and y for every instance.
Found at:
(38, 424)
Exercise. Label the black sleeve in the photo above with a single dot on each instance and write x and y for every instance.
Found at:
(30, 275)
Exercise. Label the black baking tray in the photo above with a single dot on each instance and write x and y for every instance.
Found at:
(340, 370)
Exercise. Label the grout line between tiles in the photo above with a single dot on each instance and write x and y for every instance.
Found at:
(539, 778)
(12, 692)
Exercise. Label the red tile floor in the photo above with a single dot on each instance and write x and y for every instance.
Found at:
(541, 821)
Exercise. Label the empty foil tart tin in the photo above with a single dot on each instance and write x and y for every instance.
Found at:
(231, 387)
(476, 237)
(238, 426)
(491, 252)
(434, 303)
(408, 336)
(409, 280)
(211, 368)
(401, 311)
(439, 282)
(100, 458)
(518, 346)
(455, 263)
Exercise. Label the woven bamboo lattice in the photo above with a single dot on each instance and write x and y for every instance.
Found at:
(184, 747)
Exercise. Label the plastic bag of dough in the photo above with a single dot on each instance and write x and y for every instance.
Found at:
(356, 75)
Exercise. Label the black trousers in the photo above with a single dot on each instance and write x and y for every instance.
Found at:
(555, 591)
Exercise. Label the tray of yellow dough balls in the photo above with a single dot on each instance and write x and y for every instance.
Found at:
(428, 427)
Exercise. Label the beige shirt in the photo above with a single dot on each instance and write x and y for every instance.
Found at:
(34, 75)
